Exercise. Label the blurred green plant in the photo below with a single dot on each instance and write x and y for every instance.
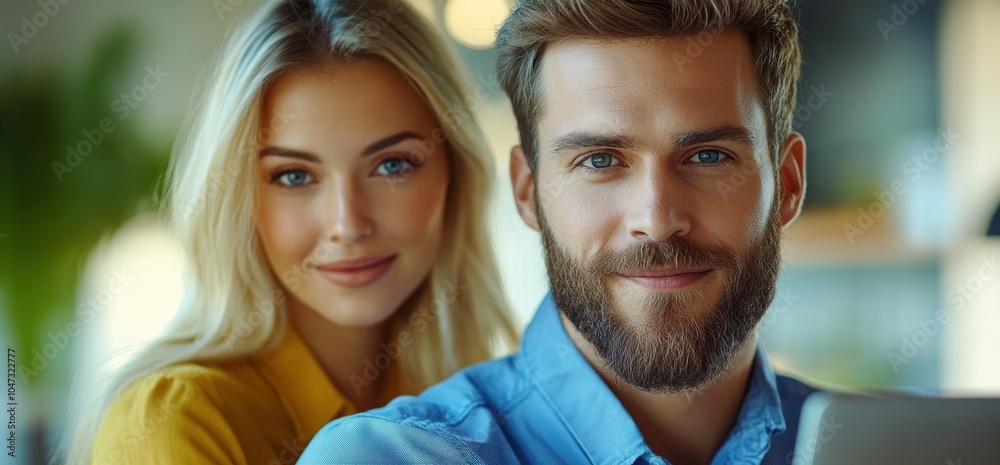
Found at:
(50, 221)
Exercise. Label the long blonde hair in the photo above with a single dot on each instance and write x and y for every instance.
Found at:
(232, 305)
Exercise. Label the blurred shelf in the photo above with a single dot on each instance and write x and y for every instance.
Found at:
(834, 237)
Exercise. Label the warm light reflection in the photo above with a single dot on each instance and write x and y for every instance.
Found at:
(473, 23)
(133, 283)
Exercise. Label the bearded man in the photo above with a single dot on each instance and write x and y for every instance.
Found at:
(658, 162)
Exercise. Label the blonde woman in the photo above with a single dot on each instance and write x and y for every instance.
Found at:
(331, 192)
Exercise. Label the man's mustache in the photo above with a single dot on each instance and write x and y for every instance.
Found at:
(677, 252)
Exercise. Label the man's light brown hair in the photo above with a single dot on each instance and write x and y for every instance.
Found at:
(534, 24)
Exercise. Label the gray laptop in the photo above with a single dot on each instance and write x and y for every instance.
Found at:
(839, 429)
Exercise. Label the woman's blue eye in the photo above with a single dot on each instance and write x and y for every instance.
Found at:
(600, 161)
(394, 167)
(294, 178)
(708, 157)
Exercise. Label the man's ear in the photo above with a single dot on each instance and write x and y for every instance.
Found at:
(792, 165)
(522, 180)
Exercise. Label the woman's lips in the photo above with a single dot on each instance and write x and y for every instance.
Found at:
(358, 272)
(670, 279)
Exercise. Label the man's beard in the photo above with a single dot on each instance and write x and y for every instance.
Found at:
(671, 346)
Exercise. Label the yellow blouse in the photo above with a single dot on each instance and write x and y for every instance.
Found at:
(255, 411)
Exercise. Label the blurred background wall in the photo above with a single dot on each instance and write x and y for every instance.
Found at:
(891, 279)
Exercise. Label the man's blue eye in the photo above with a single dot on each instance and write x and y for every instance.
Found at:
(708, 157)
(600, 160)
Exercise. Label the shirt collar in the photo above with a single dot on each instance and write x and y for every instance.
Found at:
(578, 394)
(759, 419)
(303, 388)
(589, 408)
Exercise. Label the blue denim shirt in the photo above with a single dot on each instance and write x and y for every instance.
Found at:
(544, 405)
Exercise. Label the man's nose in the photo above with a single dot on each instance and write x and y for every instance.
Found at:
(656, 205)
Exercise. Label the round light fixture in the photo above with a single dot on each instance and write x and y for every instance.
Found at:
(473, 23)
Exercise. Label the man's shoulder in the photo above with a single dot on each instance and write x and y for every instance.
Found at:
(383, 436)
(456, 421)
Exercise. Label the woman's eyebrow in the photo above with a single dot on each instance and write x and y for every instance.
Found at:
(373, 148)
(390, 141)
(280, 152)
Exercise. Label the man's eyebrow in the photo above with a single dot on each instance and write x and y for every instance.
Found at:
(580, 139)
(373, 148)
(280, 152)
(722, 133)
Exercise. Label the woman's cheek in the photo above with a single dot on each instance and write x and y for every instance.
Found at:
(417, 216)
(286, 231)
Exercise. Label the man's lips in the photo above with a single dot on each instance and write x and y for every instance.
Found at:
(667, 279)
(663, 272)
